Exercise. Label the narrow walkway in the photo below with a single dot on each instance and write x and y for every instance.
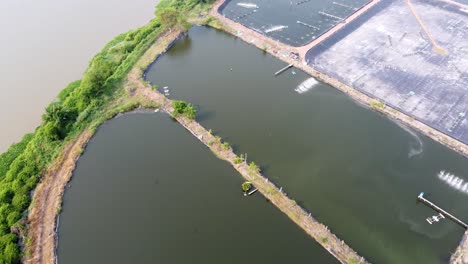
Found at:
(436, 47)
(283, 69)
(321, 233)
(281, 51)
(303, 50)
(442, 211)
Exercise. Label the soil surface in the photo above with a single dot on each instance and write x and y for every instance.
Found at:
(47, 201)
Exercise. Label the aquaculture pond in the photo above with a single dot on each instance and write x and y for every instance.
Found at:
(147, 191)
(355, 170)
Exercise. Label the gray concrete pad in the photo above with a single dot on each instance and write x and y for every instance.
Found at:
(386, 54)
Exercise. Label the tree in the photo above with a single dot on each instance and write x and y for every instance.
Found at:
(246, 186)
(11, 253)
(168, 16)
(190, 111)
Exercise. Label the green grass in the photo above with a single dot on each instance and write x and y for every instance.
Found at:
(377, 105)
(226, 146)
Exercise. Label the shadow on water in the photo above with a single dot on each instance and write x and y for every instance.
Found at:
(185, 43)
(203, 116)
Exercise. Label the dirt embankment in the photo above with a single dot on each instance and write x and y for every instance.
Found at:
(47, 200)
(335, 246)
(461, 255)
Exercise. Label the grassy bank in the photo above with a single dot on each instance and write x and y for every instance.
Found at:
(82, 105)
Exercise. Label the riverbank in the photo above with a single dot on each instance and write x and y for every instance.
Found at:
(282, 52)
(461, 255)
(41, 243)
(43, 221)
(135, 88)
(43, 218)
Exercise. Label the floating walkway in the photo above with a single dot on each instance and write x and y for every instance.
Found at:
(440, 210)
(283, 69)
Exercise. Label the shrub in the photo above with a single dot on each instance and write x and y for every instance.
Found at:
(253, 167)
(80, 105)
(377, 105)
(11, 253)
(182, 108)
(12, 153)
(246, 186)
(238, 160)
(226, 146)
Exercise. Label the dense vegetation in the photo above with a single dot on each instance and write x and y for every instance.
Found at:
(82, 104)
(183, 108)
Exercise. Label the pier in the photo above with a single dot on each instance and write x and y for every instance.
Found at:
(252, 191)
(283, 69)
(440, 210)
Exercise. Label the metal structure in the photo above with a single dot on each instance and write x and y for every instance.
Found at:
(442, 212)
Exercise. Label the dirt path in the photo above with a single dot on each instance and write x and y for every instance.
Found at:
(47, 200)
(335, 246)
(303, 50)
(461, 255)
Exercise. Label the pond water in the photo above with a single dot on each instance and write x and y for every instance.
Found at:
(147, 191)
(355, 170)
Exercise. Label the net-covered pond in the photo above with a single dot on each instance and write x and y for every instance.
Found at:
(398, 65)
(293, 22)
